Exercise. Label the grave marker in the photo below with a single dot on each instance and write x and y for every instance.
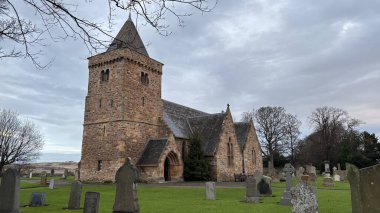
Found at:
(51, 184)
(286, 198)
(37, 199)
(91, 202)
(210, 191)
(252, 195)
(75, 195)
(9, 191)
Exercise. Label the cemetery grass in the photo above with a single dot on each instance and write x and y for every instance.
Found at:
(184, 200)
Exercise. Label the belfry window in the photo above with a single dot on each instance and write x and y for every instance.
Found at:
(144, 78)
(104, 75)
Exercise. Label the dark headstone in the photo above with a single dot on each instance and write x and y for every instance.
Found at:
(265, 186)
(91, 202)
(365, 188)
(126, 189)
(75, 195)
(286, 198)
(9, 191)
(52, 172)
(252, 195)
(37, 199)
(43, 178)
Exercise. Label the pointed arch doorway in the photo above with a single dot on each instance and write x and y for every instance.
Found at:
(172, 167)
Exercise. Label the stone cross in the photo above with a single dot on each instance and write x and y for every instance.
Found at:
(9, 191)
(286, 198)
(91, 202)
(51, 184)
(75, 195)
(126, 189)
(210, 191)
(252, 195)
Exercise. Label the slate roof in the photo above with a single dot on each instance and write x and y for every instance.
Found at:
(241, 129)
(176, 115)
(152, 152)
(209, 128)
(128, 37)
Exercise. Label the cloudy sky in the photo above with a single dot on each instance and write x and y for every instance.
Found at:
(299, 54)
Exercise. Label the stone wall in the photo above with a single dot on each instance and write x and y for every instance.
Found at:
(252, 153)
(224, 171)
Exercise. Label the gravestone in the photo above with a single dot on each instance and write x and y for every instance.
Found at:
(286, 197)
(339, 167)
(43, 178)
(9, 191)
(300, 172)
(336, 178)
(126, 189)
(327, 169)
(328, 181)
(252, 195)
(342, 174)
(76, 174)
(30, 175)
(210, 191)
(265, 186)
(334, 170)
(37, 199)
(65, 173)
(91, 202)
(304, 198)
(52, 171)
(51, 184)
(365, 188)
(75, 195)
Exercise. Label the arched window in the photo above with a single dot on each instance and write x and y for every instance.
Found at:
(230, 154)
(104, 75)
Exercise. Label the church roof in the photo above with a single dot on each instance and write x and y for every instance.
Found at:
(130, 38)
(176, 115)
(209, 128)
(152, 152)
(241, 129)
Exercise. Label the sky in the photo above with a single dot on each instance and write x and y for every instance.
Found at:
(298, 54)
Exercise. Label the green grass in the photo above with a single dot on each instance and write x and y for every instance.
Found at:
(188, 200)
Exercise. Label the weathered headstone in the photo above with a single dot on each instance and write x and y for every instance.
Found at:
(339, 167)
(9, 191)
(334, 170)
(312, 172)
(30, 175)
(286, 198)
(365, 188)
(51, 184)
(252, 195)
(37, 199)
(327, 168)
(65, 173)
(328, 181)
(265, 186)
(52, 172)
(91, 202)
(342, 174)
(126, 189)
(76, 174)
(43, 178)
(210, 191)
(300, 172)
(336, 178)
(75, 195)
(304, 198)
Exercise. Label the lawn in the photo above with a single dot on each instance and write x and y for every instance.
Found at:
(163, 199)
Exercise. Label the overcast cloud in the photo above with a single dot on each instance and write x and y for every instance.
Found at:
(299, 54)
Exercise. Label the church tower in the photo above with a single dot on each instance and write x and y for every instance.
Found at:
(123, 107)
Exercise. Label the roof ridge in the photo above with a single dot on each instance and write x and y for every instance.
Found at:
(183, 106)
(208, 115)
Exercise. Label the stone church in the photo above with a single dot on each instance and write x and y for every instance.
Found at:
(125, 116)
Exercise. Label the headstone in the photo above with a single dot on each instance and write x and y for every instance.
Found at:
(30, 175)
(327, 168)
(328, 181)
(265, 186)
(75, 195)
(252, 195)
(286, 198)
(51, 184)
(339, 167)
(76, 174)
(365, 188)
(126, 189)
(9, 191)
(334, 170)
(37, 199)
(312, 172)
(43, 178)
(342, 174)
(300, 172)
(65, 173)
(52, 171)
(210, 191)
(336, 178)
(304, 198)
(91, 202)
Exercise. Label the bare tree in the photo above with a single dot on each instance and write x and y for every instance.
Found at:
(20, 140)
(59, 20)
(330, 124)
(292, 132)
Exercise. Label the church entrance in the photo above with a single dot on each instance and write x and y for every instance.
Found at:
(171, 167)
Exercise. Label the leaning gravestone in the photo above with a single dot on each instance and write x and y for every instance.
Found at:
(286, 198)
(9, 191)
(210, 191)
(51, 184)
(365, 188)
(91, 202)
(75, 194)
(252, 195)
(37, 199)
(126, 189)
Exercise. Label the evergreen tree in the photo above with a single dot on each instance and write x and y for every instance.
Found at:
(196, 166)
